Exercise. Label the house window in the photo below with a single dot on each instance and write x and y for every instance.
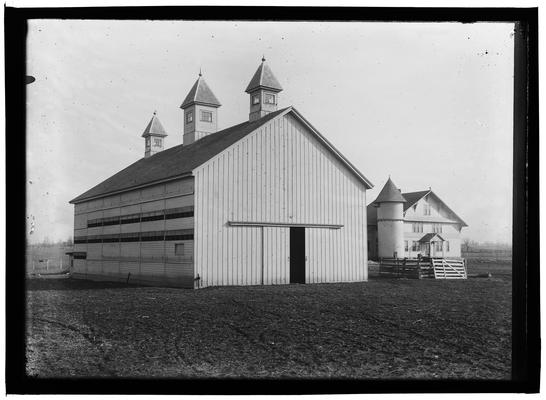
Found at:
(405, 245)
(179, 249)
(269, 98)
(437, 246)
(147, 142)
(206, 116)
(447, 246)
(417, 227)
(426, 209)
(437, 228)
(189, 117)
(256, 99)
(415, 246)
(157, 142)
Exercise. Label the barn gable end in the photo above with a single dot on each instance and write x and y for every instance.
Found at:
(249, 196)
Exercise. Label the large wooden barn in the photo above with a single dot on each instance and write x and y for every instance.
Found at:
(267, 201)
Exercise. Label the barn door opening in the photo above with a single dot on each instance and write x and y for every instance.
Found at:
(297, 255)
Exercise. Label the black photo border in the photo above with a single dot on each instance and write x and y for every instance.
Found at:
(525, 311)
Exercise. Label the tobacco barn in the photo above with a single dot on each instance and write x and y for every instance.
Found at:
(267, 201)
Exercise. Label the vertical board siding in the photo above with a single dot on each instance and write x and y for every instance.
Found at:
(279, 174)
(276, 255)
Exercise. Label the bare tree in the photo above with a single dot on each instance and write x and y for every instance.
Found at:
(466, 245)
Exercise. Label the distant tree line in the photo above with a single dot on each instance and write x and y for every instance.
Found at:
(46, 242)
(469, 245)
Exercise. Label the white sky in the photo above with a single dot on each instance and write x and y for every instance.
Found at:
(429, 104)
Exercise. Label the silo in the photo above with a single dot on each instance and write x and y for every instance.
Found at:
(390, 221)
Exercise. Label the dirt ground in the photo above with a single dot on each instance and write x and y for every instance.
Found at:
(382, 328)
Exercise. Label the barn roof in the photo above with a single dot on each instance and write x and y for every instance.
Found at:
(179, 161)
(263, 77)
(200, 93)
(390, 193)
(175, 161)
(154, 127)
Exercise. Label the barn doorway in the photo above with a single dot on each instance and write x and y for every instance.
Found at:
(297, 255)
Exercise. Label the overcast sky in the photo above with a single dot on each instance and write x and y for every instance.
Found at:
(429, 104)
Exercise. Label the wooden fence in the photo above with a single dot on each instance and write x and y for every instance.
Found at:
(414, 268)
(449, 268)
(411, 268)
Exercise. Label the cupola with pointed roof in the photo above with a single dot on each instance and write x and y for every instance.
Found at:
(154, 136)
(264, 91)
(200, 111)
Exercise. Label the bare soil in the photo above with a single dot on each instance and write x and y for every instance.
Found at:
(378, 329)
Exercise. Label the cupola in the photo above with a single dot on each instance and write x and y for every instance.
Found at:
(154, 136)
(264, 92)
(200, 112)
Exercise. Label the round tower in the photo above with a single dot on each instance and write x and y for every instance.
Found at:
(390, 221)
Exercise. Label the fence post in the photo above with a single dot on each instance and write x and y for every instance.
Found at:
(61, 263)
(47, 265)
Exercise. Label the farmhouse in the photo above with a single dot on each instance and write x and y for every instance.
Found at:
(412, 224)
(267, 201)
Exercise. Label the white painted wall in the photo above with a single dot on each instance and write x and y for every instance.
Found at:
(450, 228)
(390, 229)
(278, 174)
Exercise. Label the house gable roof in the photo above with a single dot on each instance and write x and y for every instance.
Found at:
(179, 161)
(200, 93)
(413, 197)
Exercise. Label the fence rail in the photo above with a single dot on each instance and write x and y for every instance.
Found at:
(449, 269)
(433, 268)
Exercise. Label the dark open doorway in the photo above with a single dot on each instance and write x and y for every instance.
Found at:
(297, 255)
